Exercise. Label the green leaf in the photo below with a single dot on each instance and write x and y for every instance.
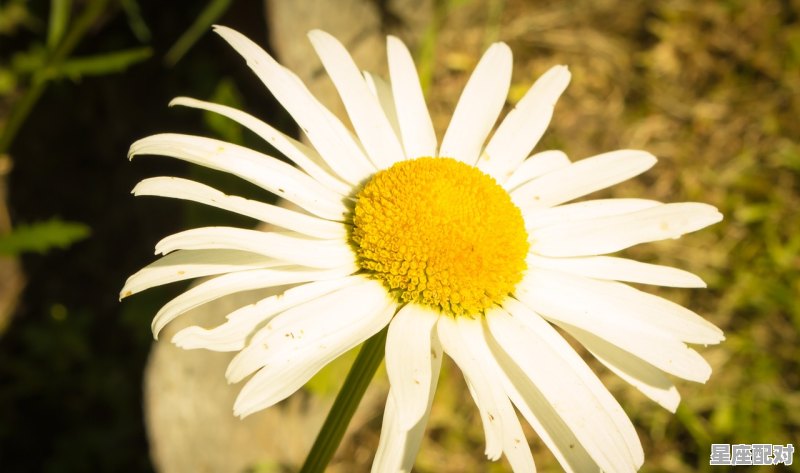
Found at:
(213, 10)
(225, 93)
(135, 20)
(59, 17)
(101, 64)
(40, 237)
(15, 15)
(8, 82)
(27, 63)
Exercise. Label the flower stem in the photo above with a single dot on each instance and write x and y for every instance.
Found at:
(359, 377)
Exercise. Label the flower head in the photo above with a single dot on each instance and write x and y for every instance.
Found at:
(471, 247)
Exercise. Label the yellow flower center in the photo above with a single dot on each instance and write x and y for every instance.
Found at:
(441, 233)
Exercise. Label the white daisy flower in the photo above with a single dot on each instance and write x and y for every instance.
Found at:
(469, 247)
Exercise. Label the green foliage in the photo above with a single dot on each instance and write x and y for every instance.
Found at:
(59, 18)
(328, 380)
(43, 63)
(41, 237)
(213, 10)
(135, 20)
(8, 81)
(101, 64)
(226, 129)
(14, 15)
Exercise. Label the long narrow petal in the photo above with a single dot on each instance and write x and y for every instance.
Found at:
(264, 171)
(397, 447)
(326, 133)
(486, 393)
(651, 381)
(416, 127)
(366, 114)
(572, 390)
(648, 331)
(382, 90)
(522, 128)
(291, 249)
(259, 349)
(536, 218)
(631, 304)
(582, 177)
(536, 165)
(232, 335)
(622, 425)
(178, 188)
(391, 454)
(479, 105)
(305, 338)
(408, 361)
(609, 234)
(305, 157)
(515, 445)
(539, 412)
(232, 283)
(619, 269)
(184, 264)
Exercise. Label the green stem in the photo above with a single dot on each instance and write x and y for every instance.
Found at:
(39, 81)
(359, 377)
(694, 426)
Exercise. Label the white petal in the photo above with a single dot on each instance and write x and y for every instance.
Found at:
(622, 425)
(609, 234)
(391, 455)
(369, 121)
(264, 171)
(536, 165)
(178, 188)
(540, 414)
(628, 302)
(326, 133)
(183, 265)
(397, 448)
(580, 211)
(416, 126)
(522, 128)
(231, 335)
(570, 387)
(620, 269)
(306, 158)
(408, 361)
(291, 249)
(486, 393)
(383, 92)
(515, 445)
(253, 356)
(479, 105)
(651, 381)
(305, 338)
(582, 177)
(231, 283)
(650, 331)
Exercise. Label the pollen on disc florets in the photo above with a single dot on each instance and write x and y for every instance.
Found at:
(442, 233)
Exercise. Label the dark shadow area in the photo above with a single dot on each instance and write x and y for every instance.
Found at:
(72, 359)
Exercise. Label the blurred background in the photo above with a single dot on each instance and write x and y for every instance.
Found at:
(711, 88)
